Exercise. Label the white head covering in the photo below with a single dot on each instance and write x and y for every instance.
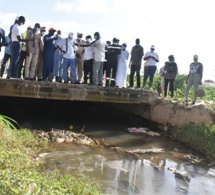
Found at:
(152, 47)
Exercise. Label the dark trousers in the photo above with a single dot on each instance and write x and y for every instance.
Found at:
(3, 65)
(169, 82)
(149, 71)
(88, 69)
(111, 71)
(15, 46)
(133, 70)
(22, 57)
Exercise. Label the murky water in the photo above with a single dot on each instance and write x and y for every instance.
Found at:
(118, 174)
(115, 173)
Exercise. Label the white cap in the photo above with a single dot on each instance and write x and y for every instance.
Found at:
(70, 34)
(152, 47)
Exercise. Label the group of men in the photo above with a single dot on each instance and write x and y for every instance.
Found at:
(35, 56)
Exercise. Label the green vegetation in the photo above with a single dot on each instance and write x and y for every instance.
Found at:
(199, 137)
(20, 172)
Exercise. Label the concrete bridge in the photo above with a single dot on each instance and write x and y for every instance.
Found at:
(143, 103)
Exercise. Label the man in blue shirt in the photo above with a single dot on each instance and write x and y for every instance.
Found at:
(7, 55)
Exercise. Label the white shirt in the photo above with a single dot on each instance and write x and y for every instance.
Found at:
(70, 50)
(99, 50)
(151, 61)
(15, 33)
(88, 55)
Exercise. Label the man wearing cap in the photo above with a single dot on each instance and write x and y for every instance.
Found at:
(114, 51)
(150, 66)
(79, 57)
(68, 49)
(32, 52)
(137, 53)
(48, 55)
(15, 46)
(122, 67)
(194, 78)
(39, 67)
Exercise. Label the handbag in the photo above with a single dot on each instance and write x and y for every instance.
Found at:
(200, 92)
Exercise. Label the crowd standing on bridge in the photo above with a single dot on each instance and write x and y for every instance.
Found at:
(38, 57)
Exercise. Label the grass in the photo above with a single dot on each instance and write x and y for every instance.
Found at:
(199, 137)
(20, 172)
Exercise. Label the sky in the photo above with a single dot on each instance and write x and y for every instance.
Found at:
(179, 27)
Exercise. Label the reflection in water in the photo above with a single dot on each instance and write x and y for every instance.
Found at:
(118, 175)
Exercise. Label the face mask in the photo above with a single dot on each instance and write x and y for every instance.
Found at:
(37, 29)
(59, 35)
(95, 37)
(21, 24)
(79, 38)
(88, 40)
(42, 33)
(70, 37)
(123, 47)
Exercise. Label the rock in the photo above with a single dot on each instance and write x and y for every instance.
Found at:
(153, 150)
(60, 140)
(211, 172)
(180, 173)
(143, 130)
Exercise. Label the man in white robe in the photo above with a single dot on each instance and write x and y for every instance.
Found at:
(122, 67)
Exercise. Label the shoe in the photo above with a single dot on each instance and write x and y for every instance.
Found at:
(186, 102)
(100, 85)
(27, 79)
(32, 79)
(65, 82)
(150, 89)
(77, 82)
(138, 88)
(193, 103)
(130, 87)
(39, 80)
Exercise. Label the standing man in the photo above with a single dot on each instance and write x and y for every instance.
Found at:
(22, 55)
(194, 78)
(40, 58)
(114, 51)
(58, 66)
(79, 57)
(171, 70)
(2, 38)
(88, 61)
(68, 49)
(137, 53)
(122, 67)
(48, 55)
(15, 46)
(7, 55)
(150, 66)
(32, 52)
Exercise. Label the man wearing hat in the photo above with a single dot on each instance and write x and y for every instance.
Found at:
(40, 57)
(79, 57)
(194, 78)
(150, 66)
(48, 55)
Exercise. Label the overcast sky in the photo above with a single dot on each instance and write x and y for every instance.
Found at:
(179, 27)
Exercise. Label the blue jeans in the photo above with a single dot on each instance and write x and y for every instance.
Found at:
(149, 71)
(66, 64)
(15, 46)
